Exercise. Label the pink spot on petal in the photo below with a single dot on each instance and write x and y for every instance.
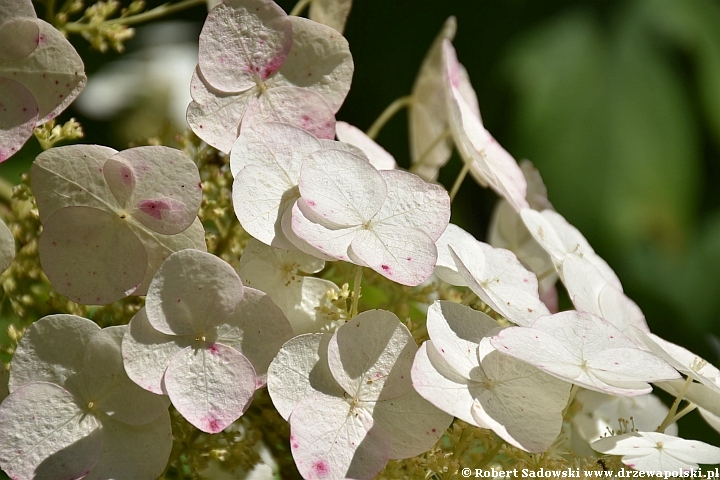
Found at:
(126, 175)
(213, 349)
(321, 468)
(311, 203)
(213, 425)
(385, 267)
(273, 67)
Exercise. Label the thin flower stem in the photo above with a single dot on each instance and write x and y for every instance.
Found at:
(459, 180)
(158, 12)
(669, 418)
(356, 291)
(50, 12)
(387, 114)
(688, 408)
(299, 7)
(444, 135)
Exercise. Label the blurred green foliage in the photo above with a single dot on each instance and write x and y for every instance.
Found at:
(616, 102)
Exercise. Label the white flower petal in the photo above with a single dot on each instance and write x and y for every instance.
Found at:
(257, 329)
(329, 440)
(243, 43)
(46, 435)
(211, 386)
(300, 370)
(378, 156)
(371, 356)
(133, 452)
(191, 293)
(147, 352)
(319, 59)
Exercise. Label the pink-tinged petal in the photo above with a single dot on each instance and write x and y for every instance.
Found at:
(19, 37)
(378, 156)
(56, 174)
(405, 255)
(147, 445)
(371, 356)
(333, 13)
(147, 352)
(427, 117)
(243, 43)
(46, 435)
(210, 385)
(257, 329)
(328, 440)
(53, 72)
(490, 163)
(158, 247)
(438, 383)
(52, 350)
(108, 386)
(18, 117)
(215, 116)
(91, 256)
(456, 331)
(342, 189)
(301, 370)
(413, 424)
(319, 60)
(300, 107)
(313, 238)
(159, 187)
(192, 293)
(413, 202)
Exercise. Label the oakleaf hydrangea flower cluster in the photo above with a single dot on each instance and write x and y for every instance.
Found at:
(260, 347)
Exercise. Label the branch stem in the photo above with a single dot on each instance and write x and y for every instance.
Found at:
(670, 417)
(458, 181)
(158, 12)
(356, 291)
(299, 7)
(387, 114)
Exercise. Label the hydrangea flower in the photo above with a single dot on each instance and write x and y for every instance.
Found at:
(73, 412)
(427, 115)
(203, 339)
(265, 163)
(490, 164)
(658, 452)
(40, 74)
(387, 220)
(110, 218)
(600, 413)
(459, 372)
(350, 400)
(333, 13)
(586, 350)
(493, 274)
(255, 60)
(276, 272)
